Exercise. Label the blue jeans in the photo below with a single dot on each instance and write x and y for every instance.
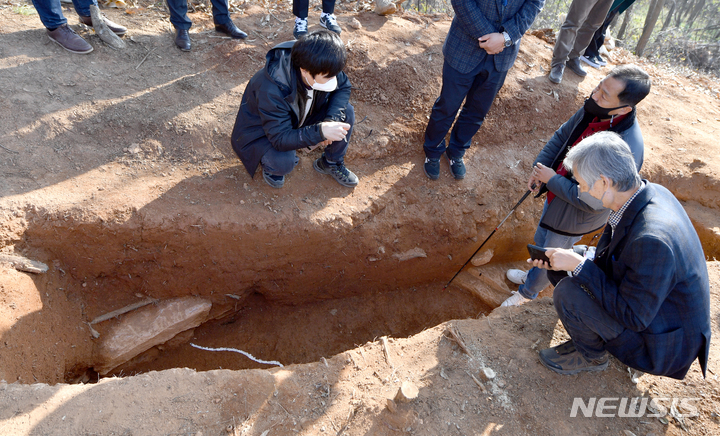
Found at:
(51, 14)
(587, 323)
(537, 278)
(480, 87)
(179, 18)
(279, 163)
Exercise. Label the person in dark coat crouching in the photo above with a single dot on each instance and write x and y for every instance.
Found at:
(300, 99)
(645, 298)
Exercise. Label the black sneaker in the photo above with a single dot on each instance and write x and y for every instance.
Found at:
(274, 181)
(600, 61)
(338, 171)
(329, 22)
(565, 359)
(432, 168)
(457, 167)
(300, 29)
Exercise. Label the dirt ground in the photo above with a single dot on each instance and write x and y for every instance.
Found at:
(117, 173)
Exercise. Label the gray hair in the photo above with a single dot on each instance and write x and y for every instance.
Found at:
(606, 154)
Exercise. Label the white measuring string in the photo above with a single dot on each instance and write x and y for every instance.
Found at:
(244, 353)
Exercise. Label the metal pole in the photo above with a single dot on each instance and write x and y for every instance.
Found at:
(489, 236)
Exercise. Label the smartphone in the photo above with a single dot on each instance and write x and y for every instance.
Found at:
(538, 253)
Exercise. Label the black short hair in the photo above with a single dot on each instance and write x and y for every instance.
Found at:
(320, 52)
(636, 80)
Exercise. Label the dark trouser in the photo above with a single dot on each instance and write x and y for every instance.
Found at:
(598, 39)
(587, 323)
(279, 163)
(51, 14)
(480, 87)
(300, 7)
(179, 18)
(584, 17)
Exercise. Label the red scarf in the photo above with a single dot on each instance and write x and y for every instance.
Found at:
(592, 128)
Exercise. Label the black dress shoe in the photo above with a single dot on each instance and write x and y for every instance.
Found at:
(231, 30)
(182, 40)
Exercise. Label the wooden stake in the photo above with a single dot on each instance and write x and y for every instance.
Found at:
(407, 392)
(386, 348)
(122, 310)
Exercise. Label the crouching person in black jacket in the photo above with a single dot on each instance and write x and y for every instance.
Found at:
(300, 99)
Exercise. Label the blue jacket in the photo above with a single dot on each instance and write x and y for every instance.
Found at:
(271, 109)
(567, 214)
(475, 18)
(651, 276)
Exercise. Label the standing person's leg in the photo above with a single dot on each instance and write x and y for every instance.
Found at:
(181, 22)
(300, 10)
(82, 7)
(328, 6)
(455, 86)
(576, 16)
(51, 15)
(223, 22)
(221, 12)
(479, 99)
(178, 14)
(477, 104)
(327, 19)
(594, 19)
(598, 38)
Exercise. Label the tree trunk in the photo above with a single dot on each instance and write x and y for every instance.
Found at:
(695, 13)
(650, 20)
(623, 28)
(669, 16)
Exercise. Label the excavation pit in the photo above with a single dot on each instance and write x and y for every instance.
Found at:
(291, 294)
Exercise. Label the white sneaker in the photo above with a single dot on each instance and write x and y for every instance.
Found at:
(515, 299)
(517, 276)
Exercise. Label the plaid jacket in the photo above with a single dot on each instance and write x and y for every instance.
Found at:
(475, 18)
(651, 276)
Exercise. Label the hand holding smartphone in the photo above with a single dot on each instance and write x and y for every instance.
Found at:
(538, 253)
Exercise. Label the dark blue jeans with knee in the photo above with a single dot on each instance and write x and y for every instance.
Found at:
(480, 87)
(51, 14)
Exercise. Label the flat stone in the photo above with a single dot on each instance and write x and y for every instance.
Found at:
(142, 329)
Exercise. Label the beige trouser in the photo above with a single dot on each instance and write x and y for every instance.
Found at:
(583, 18)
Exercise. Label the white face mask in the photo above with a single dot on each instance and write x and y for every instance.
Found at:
(328, 86)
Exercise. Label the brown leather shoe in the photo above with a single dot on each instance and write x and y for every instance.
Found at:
(114, 27)
(66, 38)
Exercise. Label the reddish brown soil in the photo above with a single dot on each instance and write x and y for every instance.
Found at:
(118, 174)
